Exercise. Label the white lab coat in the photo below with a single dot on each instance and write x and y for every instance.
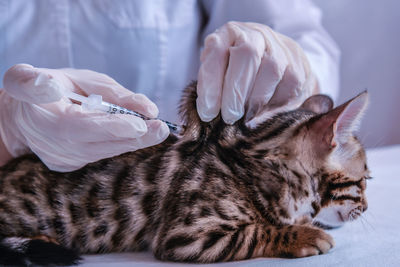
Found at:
(150, 46)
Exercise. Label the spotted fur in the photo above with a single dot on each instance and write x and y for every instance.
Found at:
(214, 193)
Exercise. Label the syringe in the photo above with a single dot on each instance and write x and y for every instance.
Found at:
(95, 102)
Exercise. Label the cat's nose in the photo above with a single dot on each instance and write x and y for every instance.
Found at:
(364, 205)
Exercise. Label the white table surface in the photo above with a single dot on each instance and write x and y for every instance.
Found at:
(373, 240)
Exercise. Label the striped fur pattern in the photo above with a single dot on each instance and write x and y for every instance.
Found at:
(214, 193)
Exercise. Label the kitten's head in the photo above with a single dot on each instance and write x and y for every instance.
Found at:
(313, 141)
(317, 141)
(343, 166)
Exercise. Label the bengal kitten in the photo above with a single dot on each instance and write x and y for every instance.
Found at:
(216, 192)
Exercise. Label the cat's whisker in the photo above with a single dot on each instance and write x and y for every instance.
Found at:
(351, 217)
(371, 214)
(378, 142)
(364, 137)
(364, 219)
(366, 225)
(361, 219)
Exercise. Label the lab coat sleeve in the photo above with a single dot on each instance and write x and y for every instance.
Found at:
(298, 19)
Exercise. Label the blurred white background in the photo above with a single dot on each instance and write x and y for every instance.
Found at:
(368, 33)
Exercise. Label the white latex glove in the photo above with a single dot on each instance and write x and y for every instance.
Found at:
(249, 67)
(61, 133)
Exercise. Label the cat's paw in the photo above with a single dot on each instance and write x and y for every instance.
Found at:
(309, 241)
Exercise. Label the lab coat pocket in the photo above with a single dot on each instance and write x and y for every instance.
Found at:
(131, 14)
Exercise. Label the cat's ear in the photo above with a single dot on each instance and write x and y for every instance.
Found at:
(318, 104)
(334, 127)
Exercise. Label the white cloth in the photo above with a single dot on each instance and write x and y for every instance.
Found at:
(370, 241)
(153, 46)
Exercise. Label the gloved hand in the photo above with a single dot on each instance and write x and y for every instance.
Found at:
(249, 67)
(66, 137)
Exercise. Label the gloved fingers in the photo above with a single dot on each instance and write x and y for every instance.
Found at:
(91, 82)
(139, 103)
(304, 73)
(214, 60)
(244, 62)
(72, 125)
(296, 57)
(66, 157)
(40, 85)
(288, 90)
(270, 73)
(69, 156)
(267, 78)
(157, 132)
(105, 127)
(287, 95)
(69, 123)
(34, 85)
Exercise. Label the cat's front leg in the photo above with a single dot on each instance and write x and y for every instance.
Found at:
(222, 242)
(297, 241)
(212, 242)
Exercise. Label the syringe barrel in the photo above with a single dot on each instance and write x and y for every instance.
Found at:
(114, 109)
(95, 102)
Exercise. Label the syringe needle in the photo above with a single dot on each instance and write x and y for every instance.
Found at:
(95, 102)
(113, 109)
